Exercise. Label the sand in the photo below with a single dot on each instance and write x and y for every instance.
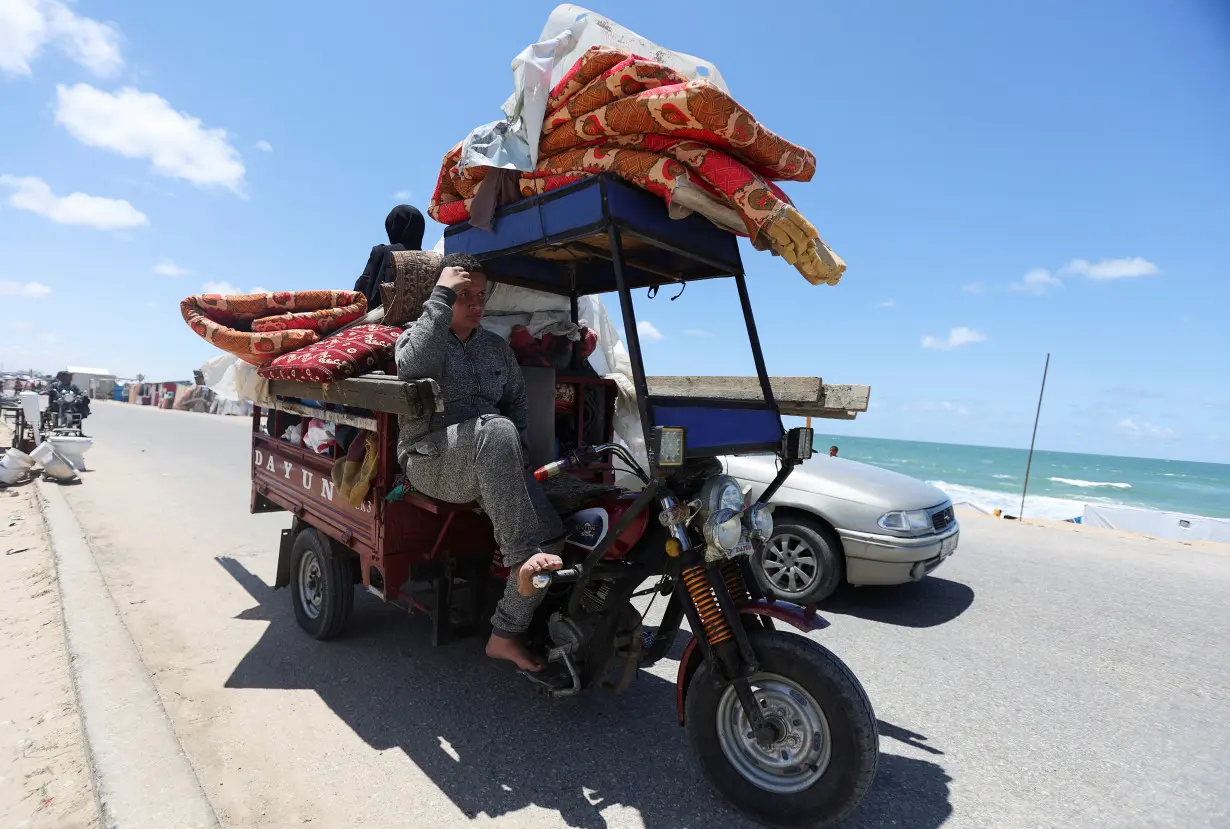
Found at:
(44, 770)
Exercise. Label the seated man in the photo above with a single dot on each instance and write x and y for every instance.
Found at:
(474, 450)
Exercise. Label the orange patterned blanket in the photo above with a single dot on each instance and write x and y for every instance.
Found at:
(258, 327)
(621, 113)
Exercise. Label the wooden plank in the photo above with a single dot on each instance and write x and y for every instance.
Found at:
(344, 418)
(844, 396)
(803, 389)
(376, 392)
(813, 410)
(809, 394)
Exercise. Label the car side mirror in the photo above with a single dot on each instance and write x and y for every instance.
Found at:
(798, 444)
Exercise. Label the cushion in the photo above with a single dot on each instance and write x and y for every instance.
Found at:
(414, 275)
(345, 354)
(227, 321)
(322, 321)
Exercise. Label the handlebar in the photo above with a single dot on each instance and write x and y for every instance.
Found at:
(584, 456)
(544, 580)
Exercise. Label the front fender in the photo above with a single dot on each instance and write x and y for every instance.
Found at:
(804, 618)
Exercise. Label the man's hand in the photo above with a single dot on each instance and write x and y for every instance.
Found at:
(537, 563)
(455, 279)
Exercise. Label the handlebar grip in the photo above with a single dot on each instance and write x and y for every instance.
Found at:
(545, 580)
(552, 469)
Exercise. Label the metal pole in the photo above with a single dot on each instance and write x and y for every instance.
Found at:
(1037, 415)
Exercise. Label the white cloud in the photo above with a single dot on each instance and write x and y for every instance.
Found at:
(1142, 429)
(168, 268)
(27, 290)
(139, 124)
(403, 195)
(264, 146)
(23, 325)
(26, 26)
(944, 406)
(49, 339)
(697, 332)
(219, 288)
(34, 194)
(957, 337)
(227, 288)
(972, 288)
(1037, 282)
(888, 303)
(1112, 268)
(648, 331)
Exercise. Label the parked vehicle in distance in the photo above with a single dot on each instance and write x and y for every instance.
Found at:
(840, 520)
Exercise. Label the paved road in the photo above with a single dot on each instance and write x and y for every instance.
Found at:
(1045, 677)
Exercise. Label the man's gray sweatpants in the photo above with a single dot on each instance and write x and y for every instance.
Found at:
(480, 460)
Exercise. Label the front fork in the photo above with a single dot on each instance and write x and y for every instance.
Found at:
(713, 593)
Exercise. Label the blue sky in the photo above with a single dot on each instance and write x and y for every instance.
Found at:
(1003, 179)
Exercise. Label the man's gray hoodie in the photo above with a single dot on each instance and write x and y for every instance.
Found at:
(477, 377)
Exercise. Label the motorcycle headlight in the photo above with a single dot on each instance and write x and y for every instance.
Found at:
(906, 520)
(759, 520)
(718, 493)
(723, 530)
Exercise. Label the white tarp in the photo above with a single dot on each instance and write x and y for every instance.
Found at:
(512, 143)
(1158, 523)
(230, 378)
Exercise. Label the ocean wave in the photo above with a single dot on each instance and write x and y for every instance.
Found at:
(1036, 506)
(1085, 484)
(1005, 477)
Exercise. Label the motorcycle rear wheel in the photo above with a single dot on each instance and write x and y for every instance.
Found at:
(825, 759)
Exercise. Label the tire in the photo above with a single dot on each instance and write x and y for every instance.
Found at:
(849, 744)
(797, 540)
(321, 585)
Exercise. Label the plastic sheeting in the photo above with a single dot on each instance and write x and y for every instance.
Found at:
(1158, 523)
(232, 379)
(512, 143)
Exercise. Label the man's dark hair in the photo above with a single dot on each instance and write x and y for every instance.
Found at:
(460, 260)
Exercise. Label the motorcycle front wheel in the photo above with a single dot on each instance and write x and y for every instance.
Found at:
(826, 746)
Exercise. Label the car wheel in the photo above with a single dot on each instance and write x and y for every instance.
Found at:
(801, 562)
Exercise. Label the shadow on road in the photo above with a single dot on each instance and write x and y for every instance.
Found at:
(493, 746)
(920, 604)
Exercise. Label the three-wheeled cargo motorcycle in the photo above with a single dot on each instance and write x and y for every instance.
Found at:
(779, 724)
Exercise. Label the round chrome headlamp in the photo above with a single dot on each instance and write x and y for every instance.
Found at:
(759, 520)
(723, 530)
(720, 492)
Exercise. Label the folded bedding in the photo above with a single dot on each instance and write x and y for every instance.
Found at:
(258, 327)
(616, 112)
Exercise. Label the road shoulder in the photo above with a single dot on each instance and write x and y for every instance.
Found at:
(142, 777)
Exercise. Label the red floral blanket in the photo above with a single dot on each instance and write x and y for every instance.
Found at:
(258, 327)
(620, 113)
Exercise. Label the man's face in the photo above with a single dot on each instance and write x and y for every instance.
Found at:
(471, 302)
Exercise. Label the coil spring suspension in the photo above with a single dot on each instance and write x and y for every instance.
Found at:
(732, 574)
(711, 618)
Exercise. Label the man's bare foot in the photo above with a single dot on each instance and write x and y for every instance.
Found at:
(537, 563)
(514, 650)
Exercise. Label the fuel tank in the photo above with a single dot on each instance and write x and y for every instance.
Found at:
(589, 526)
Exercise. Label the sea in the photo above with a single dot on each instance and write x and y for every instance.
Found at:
(1060, 483)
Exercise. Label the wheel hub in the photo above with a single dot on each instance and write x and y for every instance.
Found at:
(793, 749)
(790, 564)
(311, 584)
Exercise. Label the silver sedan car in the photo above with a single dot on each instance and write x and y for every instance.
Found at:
(840, 520)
